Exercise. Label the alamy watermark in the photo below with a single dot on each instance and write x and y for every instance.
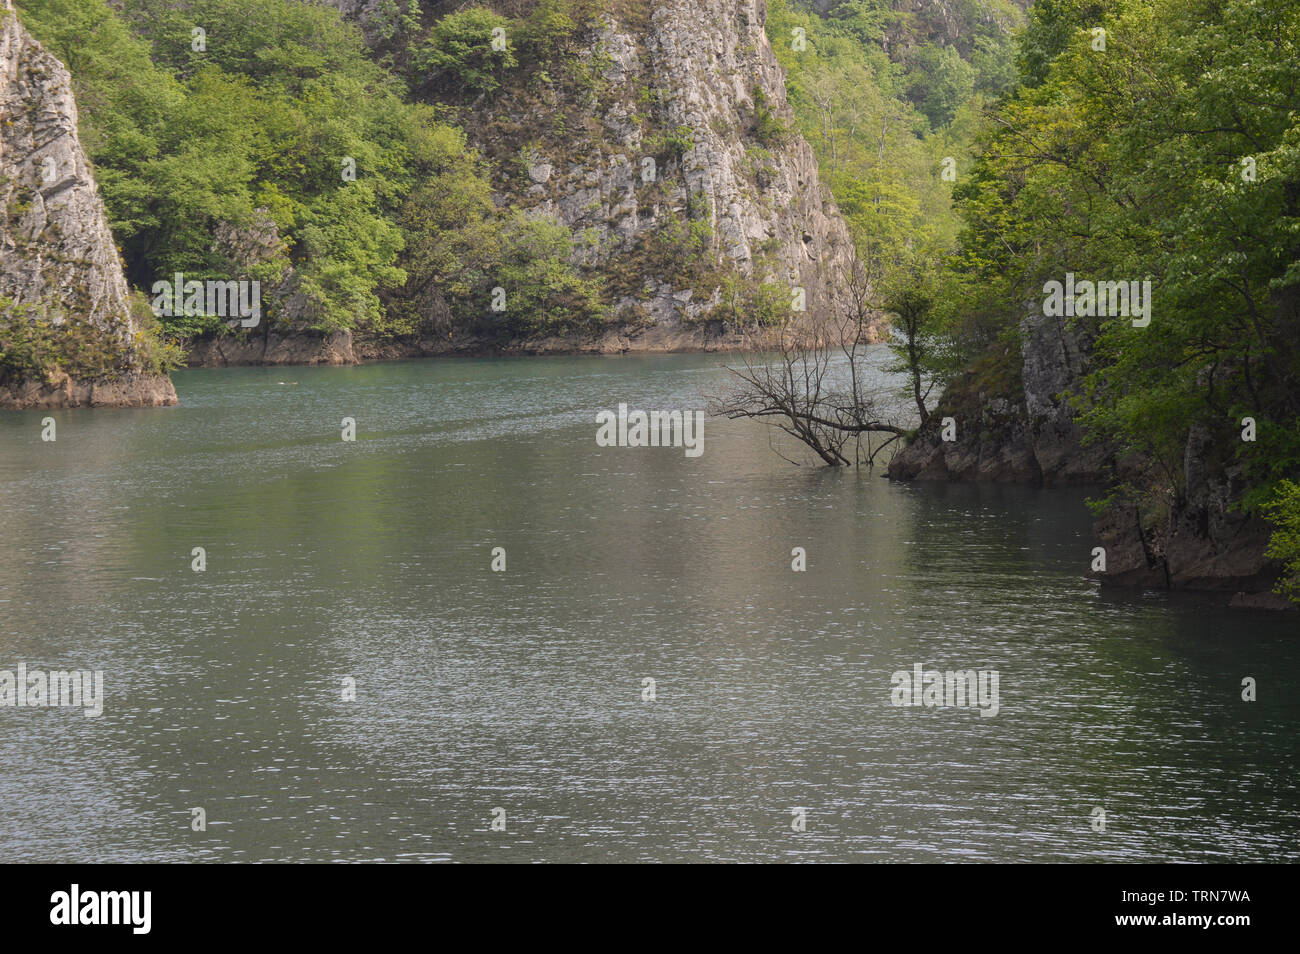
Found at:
(959, 688)
(38, 689)
(232, 299)
(76, 907)
(651, 429)
(1088, 299)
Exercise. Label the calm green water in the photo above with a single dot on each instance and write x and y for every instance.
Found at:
(522, 690)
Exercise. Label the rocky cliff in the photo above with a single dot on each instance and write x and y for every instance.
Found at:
(676, 163)
(1015, 423)
(67, 335)
(1013, 417)
(703, 71)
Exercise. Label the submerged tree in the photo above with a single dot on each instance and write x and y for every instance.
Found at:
(812, 378)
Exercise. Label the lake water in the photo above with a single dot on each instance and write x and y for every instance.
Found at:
(523, 690)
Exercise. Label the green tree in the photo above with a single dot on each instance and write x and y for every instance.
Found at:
(544, 293)
(940, 82)
(1284, 546)
(1172, 157)
(459, 49)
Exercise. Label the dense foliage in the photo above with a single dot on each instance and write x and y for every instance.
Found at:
(209, 113)
(885, 95)
(1156, 140)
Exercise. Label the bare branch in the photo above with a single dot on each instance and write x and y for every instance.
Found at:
(807, 378)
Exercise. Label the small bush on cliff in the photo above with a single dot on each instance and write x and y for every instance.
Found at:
(544, 293)
(459, 49)
(768, 127)
(33, 346)
(748, 302)
(680, 250)
(552, 25)
(671, 145)
(154, 353)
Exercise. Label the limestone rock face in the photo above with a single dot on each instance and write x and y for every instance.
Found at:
(273, 348)
(1053, 365)
(703, 72)
(363, 12)
(693, 87)
(57, 257)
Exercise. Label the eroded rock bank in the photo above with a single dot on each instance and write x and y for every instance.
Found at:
(1012, 418)
(342, 347)
(273, 348)
(1014, 422)
(1199, 541)
(60, 391)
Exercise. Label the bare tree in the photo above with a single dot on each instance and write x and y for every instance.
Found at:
(808, 378)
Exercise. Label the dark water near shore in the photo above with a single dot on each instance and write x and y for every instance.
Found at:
(522, 690)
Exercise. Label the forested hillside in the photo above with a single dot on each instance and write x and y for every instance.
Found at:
(1145, 141)
(223, 132)
(890, 93)
(222, 152)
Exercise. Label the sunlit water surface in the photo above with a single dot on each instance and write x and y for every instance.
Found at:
(523, 690)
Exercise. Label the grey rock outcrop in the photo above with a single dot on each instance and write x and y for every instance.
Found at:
(1201, 543)
(58, 262)
(365, 13)
(702, 71)
(272, 348)
(1024, 433)
(1054, 362)
(1024, 429)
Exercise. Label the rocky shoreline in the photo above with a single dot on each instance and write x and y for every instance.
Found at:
(343, 348)
(1015, 424)
(61, 391)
